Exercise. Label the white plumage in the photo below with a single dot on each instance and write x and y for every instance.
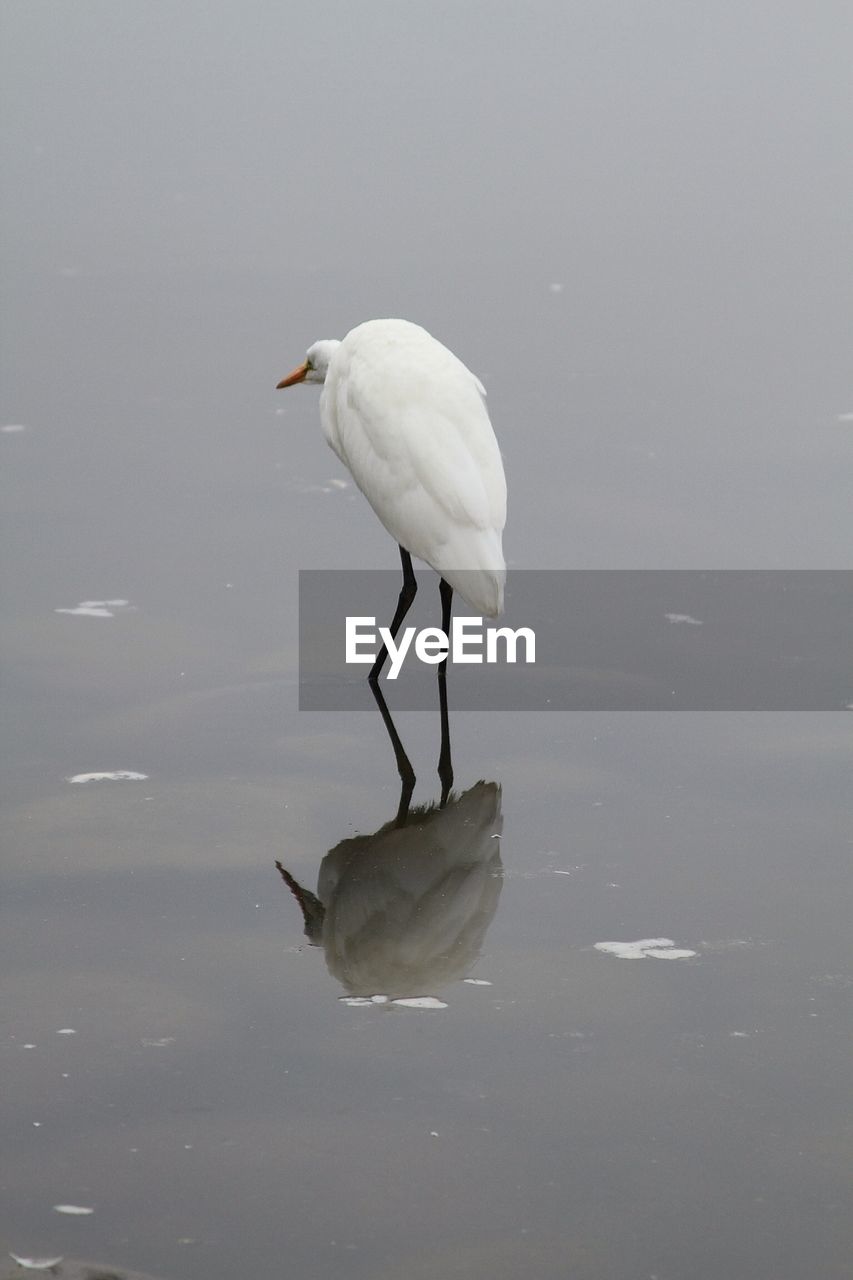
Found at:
(408, 420)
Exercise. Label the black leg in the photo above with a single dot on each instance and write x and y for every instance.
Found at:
(446, 593)
(404, 766)
(445, 765)
(407, 595)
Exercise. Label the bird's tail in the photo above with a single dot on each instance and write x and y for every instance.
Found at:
(481, 581)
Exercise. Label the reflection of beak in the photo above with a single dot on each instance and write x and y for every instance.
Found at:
(313, 911)
(298, 375)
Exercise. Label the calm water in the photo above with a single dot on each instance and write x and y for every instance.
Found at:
(635, 228)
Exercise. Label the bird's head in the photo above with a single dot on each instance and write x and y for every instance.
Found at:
(316, 364)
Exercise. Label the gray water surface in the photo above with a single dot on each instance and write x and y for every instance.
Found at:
(633, 223)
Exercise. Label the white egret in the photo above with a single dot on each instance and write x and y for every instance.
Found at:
(409, 422)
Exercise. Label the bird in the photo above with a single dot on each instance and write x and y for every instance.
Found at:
(409, 422)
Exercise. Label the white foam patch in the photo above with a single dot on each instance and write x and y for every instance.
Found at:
(75, 1209)
(670, 953)
(477, 982)
(87, 611)
(410, 1002)
(13, 429)
(359, 1002)
(66, 1031)
(96, 608)
(658, 948)
(421, 1002)
(36, 1264)
(685, 619)
(117, 775)
(842, 417)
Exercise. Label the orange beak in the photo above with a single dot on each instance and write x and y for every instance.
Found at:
(298, 375)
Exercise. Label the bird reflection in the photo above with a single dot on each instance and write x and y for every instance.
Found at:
(404, 912)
